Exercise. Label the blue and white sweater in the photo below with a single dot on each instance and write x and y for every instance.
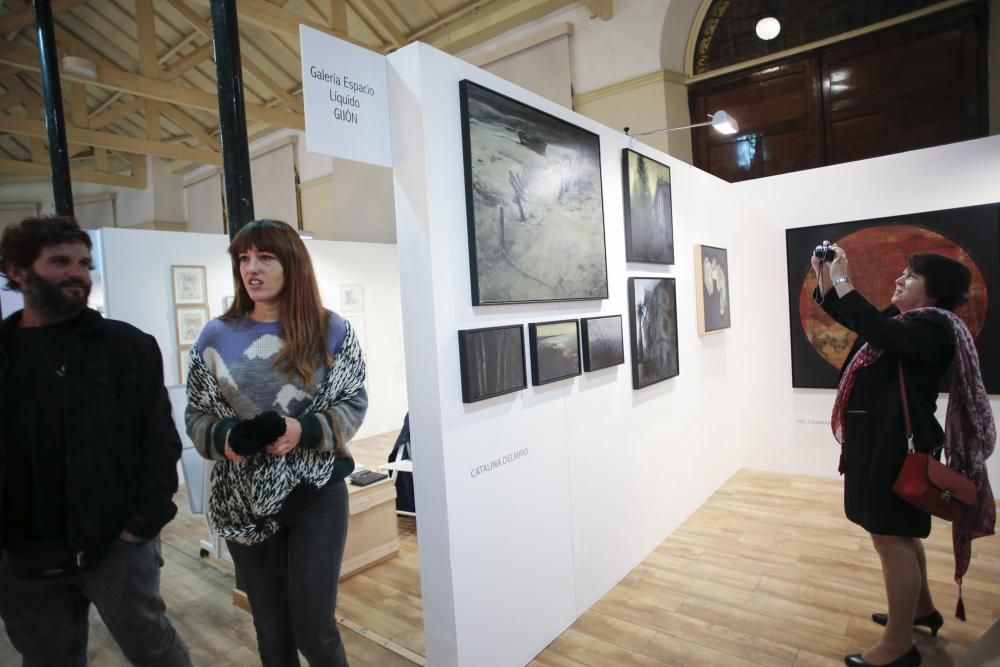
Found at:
(230, 378)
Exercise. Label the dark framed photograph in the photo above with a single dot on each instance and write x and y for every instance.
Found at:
(711, 288)
(534, 203)
(603, 342)
(649, 217)
(652, 305)
(555, 350)
(878, 250)
(491, 361)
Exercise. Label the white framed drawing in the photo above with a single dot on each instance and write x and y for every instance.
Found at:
(183, 358)
(227, 302)
(190, 321)
(352, 298)
(189, 285)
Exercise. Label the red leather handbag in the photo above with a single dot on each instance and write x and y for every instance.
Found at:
(927, 483)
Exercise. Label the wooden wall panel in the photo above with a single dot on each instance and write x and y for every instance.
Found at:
(913, 86)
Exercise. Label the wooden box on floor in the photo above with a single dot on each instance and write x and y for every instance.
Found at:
(372, 534)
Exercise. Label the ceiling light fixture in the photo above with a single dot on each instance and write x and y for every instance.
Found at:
(721, 122)
(80, 66)
(768, 28)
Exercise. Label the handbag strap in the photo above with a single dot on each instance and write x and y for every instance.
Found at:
(906, 409)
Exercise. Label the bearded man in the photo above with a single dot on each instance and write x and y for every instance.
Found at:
(88, 461)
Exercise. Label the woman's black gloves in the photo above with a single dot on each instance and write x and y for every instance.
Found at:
(251, 436)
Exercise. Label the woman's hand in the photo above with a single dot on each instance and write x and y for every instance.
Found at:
(230, 454)
(839, 267)
(289, 441)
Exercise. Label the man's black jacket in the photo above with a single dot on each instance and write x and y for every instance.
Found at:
(121, 444)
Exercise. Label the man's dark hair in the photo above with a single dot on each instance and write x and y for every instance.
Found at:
(945, 279)
(22, 243)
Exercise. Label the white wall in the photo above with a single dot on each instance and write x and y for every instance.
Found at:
(792, 433)
(137, 289)
(510, 558)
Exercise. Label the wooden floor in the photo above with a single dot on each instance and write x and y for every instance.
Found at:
(766, 572)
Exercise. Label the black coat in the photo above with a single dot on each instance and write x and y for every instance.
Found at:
(874, 433)
(121, 444)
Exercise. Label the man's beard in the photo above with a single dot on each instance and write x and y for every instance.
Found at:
(50, 299)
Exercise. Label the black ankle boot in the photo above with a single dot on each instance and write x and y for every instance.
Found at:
(932, 621)
(909, 659)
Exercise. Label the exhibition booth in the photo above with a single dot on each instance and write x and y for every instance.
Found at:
(536, 502)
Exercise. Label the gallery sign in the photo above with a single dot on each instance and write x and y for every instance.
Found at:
(345, 94)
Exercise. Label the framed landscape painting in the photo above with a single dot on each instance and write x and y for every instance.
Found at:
(653, 313)
(711, 278)
(603, 342)
(649, 218)
(491, 361)
(555, 350)
(877, 250)
(533, 201)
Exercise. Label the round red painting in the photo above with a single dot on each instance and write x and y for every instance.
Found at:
(877, 256)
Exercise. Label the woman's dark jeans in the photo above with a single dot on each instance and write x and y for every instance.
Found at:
(291, 579)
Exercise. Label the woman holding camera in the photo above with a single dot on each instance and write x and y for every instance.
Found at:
(920, 333)
(275, 392)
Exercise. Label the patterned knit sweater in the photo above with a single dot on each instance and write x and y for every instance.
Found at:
(231, 378)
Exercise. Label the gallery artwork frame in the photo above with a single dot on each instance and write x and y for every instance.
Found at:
(603, 342)
(648, 204)
(878, 249)
(352, 298)
(189, 285)
(555, 351)
(711, 289)
(491, 362)
(652, 303)
(190, 321)
(183, 361)
(532, 186)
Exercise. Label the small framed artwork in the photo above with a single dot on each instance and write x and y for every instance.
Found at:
(649, 218)
(603, 343)
(352, 298)
(555, 350)
(491, 361)
(711, 278)
(189, 285)
(190, 321)
(183, 360)
(652, 306)
(227, 303)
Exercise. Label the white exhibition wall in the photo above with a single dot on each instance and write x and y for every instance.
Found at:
(511, 557)
(792, 433)
(137, 279)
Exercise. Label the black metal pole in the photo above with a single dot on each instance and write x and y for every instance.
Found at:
(62, 188)
(232, 115)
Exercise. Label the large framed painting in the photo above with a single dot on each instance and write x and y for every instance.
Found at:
(491, 361)
(555, 350)
(603, 342)
(534, 203)
(877, 250)
(649, 218)
(711, 278)
(652, 306)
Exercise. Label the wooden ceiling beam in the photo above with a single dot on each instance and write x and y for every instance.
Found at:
(10, 100)
(35, 170)
(396, 37)
(201, 25)
(114, 79)
(96, 138)
(338, 16)
(275, 19)
(145, 25)
(101, 116)
(178, 47)
(78, 105)
(14, 21)
(193, 59)
(189, 125)
(453, 15)
(495, 19)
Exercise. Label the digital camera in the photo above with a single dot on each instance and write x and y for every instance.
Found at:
(825, 252)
